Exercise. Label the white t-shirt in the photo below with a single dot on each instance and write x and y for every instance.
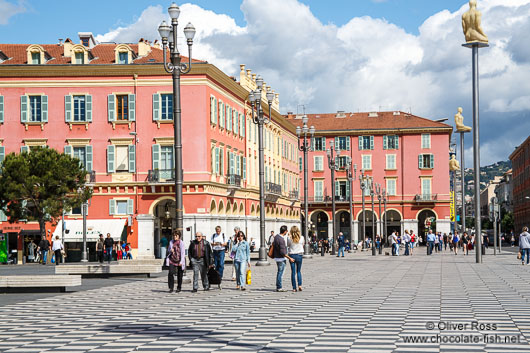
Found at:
(218, 238)
(296, 248)
(57, 245)
(394, 238)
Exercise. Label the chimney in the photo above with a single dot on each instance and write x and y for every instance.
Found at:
(60, 42)
(372, 115)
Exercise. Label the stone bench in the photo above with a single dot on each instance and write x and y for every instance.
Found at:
(26, 283)
(105, 270)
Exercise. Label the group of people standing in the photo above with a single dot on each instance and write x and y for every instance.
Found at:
(106, 247)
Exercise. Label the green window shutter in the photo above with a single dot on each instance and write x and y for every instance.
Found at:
(397, 141)
(432, 161)
(238, 165)
(44, 108)
(215, 111)
(2, 154)
(112, 207)
(155, 155)
(244, 168)
(88, 100)
(24, 109)
(130, 206)
(371, 142)
(24, 149)
(360, 143)
(348, 189)
(89, 158)
(221, 161)
(1, 109)
(312, 144)
(156, 107)
(337, 188)
(385, 142)
(337, 143)
(221, 114)
(132, 158)
(347, 143)
(213, 160)
(68, 108)
(228, 118)
(111, 158)
(68, 150)
(243, 125)
(132, 107)
(231, 163)
(3, 217)
(111, 105)
(216, 160)
(420, 161)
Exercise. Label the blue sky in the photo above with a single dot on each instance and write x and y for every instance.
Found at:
(61, 19)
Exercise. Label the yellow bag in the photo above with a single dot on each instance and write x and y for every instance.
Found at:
(249, 277)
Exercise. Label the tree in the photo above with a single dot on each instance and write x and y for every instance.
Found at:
(507, 222)
(39, 185)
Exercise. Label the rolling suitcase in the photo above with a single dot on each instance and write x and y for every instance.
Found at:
(213, 276)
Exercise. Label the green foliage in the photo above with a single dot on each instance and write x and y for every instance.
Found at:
(37, 186)
(507, 222)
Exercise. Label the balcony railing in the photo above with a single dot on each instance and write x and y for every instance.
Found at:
(293, 195)
(271, 188)
(328, 199)
(426, 197)
(161, 175)
(233, 180)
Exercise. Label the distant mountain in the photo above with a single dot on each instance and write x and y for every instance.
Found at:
(488, 173)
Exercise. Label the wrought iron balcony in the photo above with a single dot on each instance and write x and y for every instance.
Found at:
(426, 198)
(233, 181)
(293, 195)
(327, 199)
(161, 175)
(271, 188)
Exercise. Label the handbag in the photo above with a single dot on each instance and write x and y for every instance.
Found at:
(232, 254)
(271, 251)
(519, 255)
(249, 277)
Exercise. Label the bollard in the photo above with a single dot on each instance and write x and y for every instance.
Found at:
(322, 250)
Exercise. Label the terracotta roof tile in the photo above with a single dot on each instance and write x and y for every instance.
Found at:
(365, 121)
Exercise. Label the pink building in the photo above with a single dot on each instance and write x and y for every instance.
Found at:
(110, 105)
(406, 154)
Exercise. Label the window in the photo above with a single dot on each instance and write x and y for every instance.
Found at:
(300, 163)
(83, 153)
(121, 207)
(367, 162)
(319, 163)
(35, 58)
(318, 186)
(391, 142)
(228, 114)
(213, 110)
(391, 187)
(221, 114)
(85, 41)
(166, 162)
(1, 109)
(342, 143)
(167, 106)
(79, 108)
(123, 58)
(80, 153)
(122, 158)
(319, 144)
(341, 161)
(425, 140)
(342, 190)
(426, 188)
(390, 161)
(122, 107)
(426, 161)
(366, 143)
(35, 108)
(79, 58)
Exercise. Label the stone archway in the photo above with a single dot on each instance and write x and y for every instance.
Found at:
(319, 225)
(368, 216)
(426, 220)
(343, 222)
(393, 221)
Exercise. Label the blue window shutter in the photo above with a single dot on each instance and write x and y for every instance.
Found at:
(347, 143)
(155, 155)
(111, 158)
(360, 143)
(24, 149)
(2, 154)
(130, 206)
(44, 108)
(244, 167)
(132, 158)
(156, 107)
(420, 161)
(68, 108)
(24, 109)
(221, 161)
(371, 142)
(397, 141)
(88, 107)
(132, 107)
(385, 142)
(216, 160)
(1, 109)
(238, 165)
(112, 207)
(337, 188)
(111, 105)
(243, 125)
(212, 111)
(337, 143)
(432, 161)
(228, 118)
(348, 189)
(216, 110)
(68, 150)
(89, 158)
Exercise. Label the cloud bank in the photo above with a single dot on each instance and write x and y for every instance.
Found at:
(369, 64)
(9, 9)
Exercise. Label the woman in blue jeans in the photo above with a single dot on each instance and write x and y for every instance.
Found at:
(295, 244)
(241, 251)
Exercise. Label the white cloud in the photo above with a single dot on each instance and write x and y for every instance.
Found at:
(369, 63)
(9, 9)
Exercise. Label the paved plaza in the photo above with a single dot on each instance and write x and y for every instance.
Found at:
(352, 304)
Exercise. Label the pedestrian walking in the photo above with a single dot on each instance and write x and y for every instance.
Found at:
(177, 262)
(241, 259)
(163, 247)
(436, 242)
(512, 240)
(231, 244)
(395, 245)
(201, 259)
(465, 243)
(219, 242)
(44, 247)
(57, 248)
(524, 245)
(271, 239)
(455, 241)
(431, 238)
(412, 241)
(100, 245)
(108, 245)
(295, 244)
(406, 240)
(446, 240)
(340, 241)
(280, 256)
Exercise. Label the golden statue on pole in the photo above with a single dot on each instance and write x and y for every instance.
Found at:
(459, 122)
(471, 24)
(453, 164)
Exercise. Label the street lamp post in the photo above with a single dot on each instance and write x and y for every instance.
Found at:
(494, 216)
(304, 135)
(333, 165)
(362, 180)
(373, 216)
(384, 212)
(259, 118)
(351, 178)
(379, 195)
(84, 209)
(168, 33)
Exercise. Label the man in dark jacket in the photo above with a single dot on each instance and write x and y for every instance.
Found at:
(201, 259)
(44, 247)
(109, 243)
(280, 255)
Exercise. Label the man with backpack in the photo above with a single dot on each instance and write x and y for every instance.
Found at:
(219, 243)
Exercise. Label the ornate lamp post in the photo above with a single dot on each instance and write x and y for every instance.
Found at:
(333, 165)
(384, 212)
(304, 135)
(351, 178)
(260, 119)
(364, 185)
(380, 231)
(176, 68)
(372, 194)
